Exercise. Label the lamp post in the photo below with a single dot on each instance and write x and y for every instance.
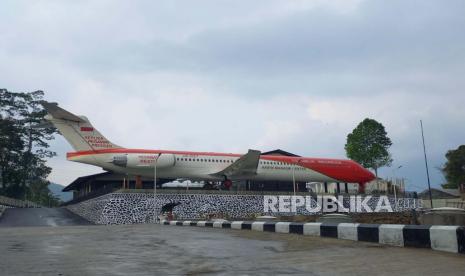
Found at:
(293, 184)
(155, 185)
(394, 185)
(394, 176)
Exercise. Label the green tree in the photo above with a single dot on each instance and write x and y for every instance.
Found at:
(23, 146)
(368, 144)
(38, 192)
(454, 169)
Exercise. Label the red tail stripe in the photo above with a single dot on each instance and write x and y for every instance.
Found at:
(87, 129)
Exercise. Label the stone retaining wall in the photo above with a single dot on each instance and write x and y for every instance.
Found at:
(128, 208)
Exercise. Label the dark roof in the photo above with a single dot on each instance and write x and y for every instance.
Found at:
(280, 152)
(78, 181)
(105, 176)
(440, 193)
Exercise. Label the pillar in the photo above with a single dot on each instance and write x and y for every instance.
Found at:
(361, 188)
(338, 188)
(346, 188)
(138, 182)
(326, 187)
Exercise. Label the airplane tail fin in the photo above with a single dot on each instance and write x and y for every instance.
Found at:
(77, 130)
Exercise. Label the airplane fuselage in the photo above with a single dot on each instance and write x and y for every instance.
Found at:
(204, 165)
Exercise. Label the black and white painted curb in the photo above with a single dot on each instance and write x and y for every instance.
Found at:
(442, 238)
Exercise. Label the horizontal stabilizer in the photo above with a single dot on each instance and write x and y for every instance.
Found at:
(245, 166)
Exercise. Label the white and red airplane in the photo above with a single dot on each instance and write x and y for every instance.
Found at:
(91, 147)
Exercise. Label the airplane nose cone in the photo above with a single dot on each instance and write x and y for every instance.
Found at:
(363, 175)
(368, 175)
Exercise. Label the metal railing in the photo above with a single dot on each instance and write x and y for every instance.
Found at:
(13, 202)
(450, 202)
(456, 204)
(241, 192)
(213, 192)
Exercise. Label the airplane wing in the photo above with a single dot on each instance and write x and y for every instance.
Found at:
(245, 166)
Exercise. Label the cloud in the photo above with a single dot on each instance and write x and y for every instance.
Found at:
(229, 76)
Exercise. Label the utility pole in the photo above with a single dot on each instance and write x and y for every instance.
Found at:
(426, 164)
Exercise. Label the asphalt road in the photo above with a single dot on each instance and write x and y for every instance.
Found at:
(175, 250)
(40, 217)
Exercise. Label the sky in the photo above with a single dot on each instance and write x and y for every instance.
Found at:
(233, 75)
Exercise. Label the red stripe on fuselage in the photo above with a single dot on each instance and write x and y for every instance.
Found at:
(342, 170)
(123, 151)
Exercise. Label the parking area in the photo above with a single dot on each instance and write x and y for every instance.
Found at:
(171, 250)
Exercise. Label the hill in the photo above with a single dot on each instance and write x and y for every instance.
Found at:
(56, 190)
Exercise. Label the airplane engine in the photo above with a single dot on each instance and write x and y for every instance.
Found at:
(166, 161)
(144, 160)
